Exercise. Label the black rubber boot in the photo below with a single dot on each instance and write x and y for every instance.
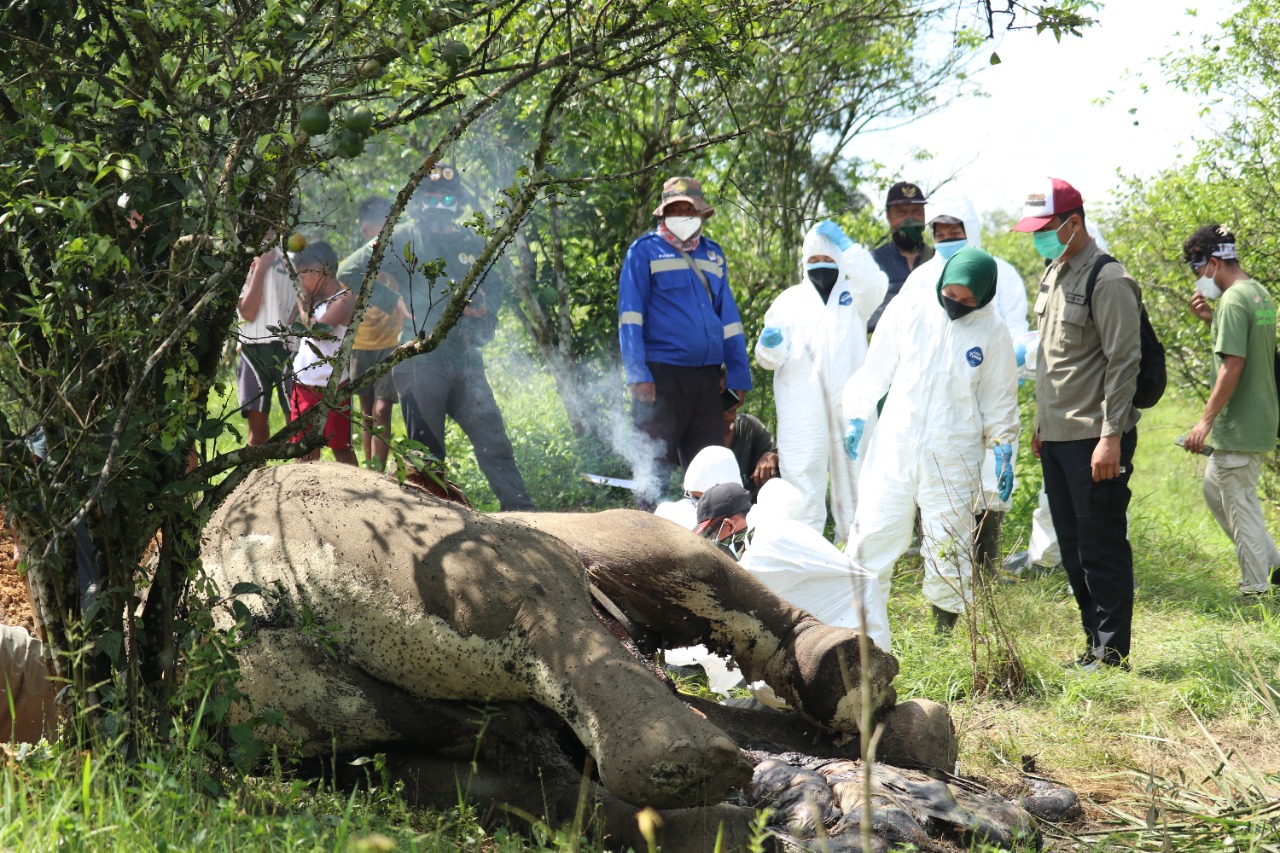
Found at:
(986, 540)
(943, 620)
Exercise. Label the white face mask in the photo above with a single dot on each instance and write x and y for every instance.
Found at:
(683, 227)
(1207, 288)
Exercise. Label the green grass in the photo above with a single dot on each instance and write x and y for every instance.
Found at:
(1191, 732)
(52, 798)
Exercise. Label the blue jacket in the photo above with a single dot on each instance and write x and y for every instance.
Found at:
(664, 314)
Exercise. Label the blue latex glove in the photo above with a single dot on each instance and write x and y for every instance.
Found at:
(770, 337)
(1004, 470)
(833, 232)
(853, 437)
(1020, 352)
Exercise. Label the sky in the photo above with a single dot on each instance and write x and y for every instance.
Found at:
(999, 150)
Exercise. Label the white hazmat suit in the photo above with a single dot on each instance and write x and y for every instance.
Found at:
(952, 393)
(807, 571)
(821, 346)
(1010, 305)
(711, 467)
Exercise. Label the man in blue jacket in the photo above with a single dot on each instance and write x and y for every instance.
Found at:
(677, 324)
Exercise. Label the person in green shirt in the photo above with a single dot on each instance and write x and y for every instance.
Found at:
(1241, 415)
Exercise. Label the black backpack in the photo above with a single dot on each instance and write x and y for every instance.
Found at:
(1152, 376)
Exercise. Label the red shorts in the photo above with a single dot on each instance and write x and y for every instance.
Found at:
(337, 427)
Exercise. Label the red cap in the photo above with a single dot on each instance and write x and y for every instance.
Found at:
(1050, 201)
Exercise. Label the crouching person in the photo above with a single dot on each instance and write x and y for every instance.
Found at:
(945, 360)
(27, 709)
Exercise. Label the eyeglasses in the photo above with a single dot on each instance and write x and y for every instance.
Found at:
(439, 200)
(1196, 266)
(309, 269)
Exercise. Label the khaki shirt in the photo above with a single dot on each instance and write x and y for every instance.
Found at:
(1087, 367)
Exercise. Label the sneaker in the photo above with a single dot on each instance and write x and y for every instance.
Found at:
(1254, 598)
(1096, 665)
(1088, 663)
(1275, 576)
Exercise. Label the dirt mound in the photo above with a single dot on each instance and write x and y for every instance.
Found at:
(15, 605)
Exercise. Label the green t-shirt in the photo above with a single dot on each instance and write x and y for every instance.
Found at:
(1244, 324)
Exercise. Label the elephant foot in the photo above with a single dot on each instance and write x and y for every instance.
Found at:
(919, 733)
(681, 760)
(828, 669)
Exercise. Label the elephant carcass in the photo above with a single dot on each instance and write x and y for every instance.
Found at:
(369, 591)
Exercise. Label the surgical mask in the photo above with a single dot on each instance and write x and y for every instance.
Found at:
(684, 227)
(1208, 288)
(909, 236)
(437, 218)
(735, 545)
(948, 248)
(956, 310)
(1048, 244)
(823, 277)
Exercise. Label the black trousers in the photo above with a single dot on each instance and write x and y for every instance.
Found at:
(432, 388)
(686, 414)
(1093, 530)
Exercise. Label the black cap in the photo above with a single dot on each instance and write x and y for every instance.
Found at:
(904, 192)
(723, 500)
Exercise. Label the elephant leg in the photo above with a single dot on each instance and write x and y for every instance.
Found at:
(686, 590)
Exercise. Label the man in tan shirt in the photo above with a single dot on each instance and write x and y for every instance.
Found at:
(1086, 423)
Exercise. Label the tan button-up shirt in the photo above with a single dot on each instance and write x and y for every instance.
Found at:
(1087, 366)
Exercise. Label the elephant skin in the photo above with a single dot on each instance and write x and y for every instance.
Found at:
(382, 619)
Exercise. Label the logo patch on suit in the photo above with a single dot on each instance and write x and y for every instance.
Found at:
(845, 298)
(974, 356)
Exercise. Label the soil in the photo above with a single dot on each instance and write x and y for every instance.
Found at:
(15, 603)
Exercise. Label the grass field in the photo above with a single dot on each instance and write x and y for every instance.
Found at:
(1181, 753)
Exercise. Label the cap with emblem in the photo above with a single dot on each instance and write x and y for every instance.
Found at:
(1053, 198)
(904, 192)
(684, 189)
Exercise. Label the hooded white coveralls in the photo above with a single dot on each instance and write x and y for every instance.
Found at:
(952, 390)
(807, 571)
(711, 467)
(1010, 305)
(822, 345)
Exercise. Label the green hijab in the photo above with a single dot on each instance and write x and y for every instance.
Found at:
(974, 269)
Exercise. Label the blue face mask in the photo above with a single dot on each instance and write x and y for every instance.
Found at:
(948, 248)
(1047, 243)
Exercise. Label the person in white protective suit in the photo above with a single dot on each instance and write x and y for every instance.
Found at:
(947, 365)
(955, 224)
(711, 467)
(805, 570)
(814, 338)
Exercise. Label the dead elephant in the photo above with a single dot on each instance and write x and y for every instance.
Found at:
(383, 616)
